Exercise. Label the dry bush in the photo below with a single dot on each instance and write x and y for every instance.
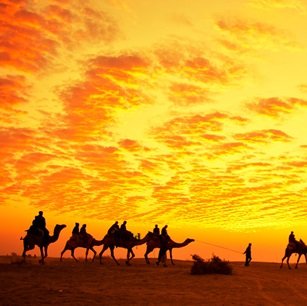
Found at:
(212, 266)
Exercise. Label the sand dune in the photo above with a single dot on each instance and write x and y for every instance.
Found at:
(70, 283)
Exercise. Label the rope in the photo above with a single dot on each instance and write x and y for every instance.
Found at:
(218, 246)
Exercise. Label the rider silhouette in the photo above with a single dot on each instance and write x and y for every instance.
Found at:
(39, 223)
(75, 230)
(156, 230)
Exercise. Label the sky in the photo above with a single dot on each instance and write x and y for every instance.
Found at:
(186, 113)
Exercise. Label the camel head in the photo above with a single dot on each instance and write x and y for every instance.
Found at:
(189, 240)
(59, 227)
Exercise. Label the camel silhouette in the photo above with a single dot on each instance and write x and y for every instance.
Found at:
(31, 240)
(110, 242)
(299, 248)
(155, 243)
(77, 242)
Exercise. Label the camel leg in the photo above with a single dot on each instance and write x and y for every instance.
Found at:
(86, 254)
(288, 258)
(101, 253)
(171, 256)
(298, 259)
(42, 255)
(26, 247)
(148, 250)
(73, 255)
(112, 254)
(62, 253)
(46, 251)
(93, 250)
(282, 261)
(130, 251)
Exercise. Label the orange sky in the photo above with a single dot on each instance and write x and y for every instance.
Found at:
(186, 113)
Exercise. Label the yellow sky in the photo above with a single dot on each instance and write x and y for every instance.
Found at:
(189, 113)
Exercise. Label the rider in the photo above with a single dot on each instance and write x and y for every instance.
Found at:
(156, 230)
(83, 233)
(114, 228)
(75, 230)
(292, 238)
(124, 233)
(39, 223)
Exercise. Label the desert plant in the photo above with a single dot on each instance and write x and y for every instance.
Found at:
(215, 265)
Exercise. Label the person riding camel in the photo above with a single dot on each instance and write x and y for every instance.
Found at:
(124, 233)
(39, 224)
(292, 240)
(292, 237)
(156, 230)
(114, 228)
(75, 231)
(83, 234)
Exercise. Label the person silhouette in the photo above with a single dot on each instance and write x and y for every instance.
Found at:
(164, 232)
(75, 230)
(114, 228)
(39, 223)
(83, 233)
(292, 237)
(123, 227)
(248, 254)
(164, 238)
(156, 230)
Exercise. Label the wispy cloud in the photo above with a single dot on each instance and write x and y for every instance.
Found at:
(276, 106)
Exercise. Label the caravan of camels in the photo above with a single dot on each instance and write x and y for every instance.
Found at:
(38, 235)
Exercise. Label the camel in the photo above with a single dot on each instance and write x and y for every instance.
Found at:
(75, 242)
(299, 248)
(155, 243)
(31, 240)
(110, 242)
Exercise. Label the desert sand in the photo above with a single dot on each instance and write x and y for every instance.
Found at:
(71, 283)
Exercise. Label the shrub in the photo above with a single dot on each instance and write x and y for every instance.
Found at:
(212, 266)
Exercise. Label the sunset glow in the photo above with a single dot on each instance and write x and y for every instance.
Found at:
(186, 113)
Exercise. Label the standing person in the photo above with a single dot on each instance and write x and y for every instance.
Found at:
(248, 254)
(162, 251)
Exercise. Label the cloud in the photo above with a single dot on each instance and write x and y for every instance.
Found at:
(187, 94)
(275, 107)
(263, 136)
(112, 84)
(12, 91)
(240, 35)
